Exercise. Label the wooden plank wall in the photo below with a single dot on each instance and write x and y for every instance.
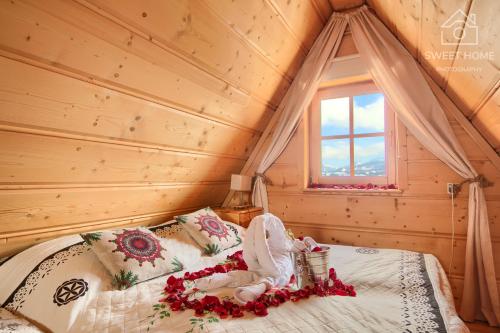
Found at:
(417, 219)
(128, 112)
(420, 217)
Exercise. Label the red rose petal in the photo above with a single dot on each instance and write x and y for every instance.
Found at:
(260, 309)
(177, 301)
(236, 313)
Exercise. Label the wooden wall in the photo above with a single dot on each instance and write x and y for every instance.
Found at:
(418, 218)
(127, 112)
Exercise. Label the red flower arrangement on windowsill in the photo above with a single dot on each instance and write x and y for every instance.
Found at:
(368, 186)
(177, 301)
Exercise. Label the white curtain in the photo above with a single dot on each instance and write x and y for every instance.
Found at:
(398, 76)
(297, 99)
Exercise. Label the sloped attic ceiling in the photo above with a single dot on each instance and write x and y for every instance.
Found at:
(110, 107)
(117, 112)
(465, 64)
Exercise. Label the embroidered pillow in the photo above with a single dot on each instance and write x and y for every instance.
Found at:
(209, 231)
(132, 255)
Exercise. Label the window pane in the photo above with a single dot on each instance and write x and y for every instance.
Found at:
(335, 116)
(368, 113)
(369, 156)
(335, 159)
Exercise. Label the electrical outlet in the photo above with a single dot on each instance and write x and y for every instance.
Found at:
(452, 188)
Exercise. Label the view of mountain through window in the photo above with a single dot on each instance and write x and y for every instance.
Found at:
(352, 136)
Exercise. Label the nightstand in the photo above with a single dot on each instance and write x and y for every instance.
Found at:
(240, 217)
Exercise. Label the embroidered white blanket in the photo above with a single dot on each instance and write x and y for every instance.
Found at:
(63, 286)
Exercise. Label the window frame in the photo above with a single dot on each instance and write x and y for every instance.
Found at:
(315, 138)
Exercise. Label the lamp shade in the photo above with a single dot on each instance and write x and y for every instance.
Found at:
(241, 183)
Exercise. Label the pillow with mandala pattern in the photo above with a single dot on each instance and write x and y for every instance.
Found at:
(132, 255)
(209, 231)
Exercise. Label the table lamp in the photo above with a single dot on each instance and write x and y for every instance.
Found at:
(241, 184)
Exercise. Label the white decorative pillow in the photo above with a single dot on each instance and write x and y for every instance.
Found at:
(209, 231)
(132, 255)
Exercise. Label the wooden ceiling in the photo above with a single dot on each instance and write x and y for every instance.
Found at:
(339, 5)
(109, 108)
(123, 112)
(471, 78)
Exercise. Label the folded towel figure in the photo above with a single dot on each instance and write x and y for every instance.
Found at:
(250, 293)
(266, 251)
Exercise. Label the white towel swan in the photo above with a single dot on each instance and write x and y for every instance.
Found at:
(266, 251)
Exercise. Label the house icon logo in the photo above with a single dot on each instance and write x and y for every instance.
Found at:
(460, 29)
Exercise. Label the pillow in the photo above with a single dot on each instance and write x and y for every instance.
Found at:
(132, 255)
(209, 231)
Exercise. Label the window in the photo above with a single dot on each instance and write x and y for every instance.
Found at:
(352, 137)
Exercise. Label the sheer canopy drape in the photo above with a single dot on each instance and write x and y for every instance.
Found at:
(297, 98)
(398, 76)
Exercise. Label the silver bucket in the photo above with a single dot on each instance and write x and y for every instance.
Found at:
(311, 267)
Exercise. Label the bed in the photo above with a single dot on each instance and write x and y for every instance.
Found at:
(63, 287)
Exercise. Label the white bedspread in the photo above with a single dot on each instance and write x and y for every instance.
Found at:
(397, 291)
